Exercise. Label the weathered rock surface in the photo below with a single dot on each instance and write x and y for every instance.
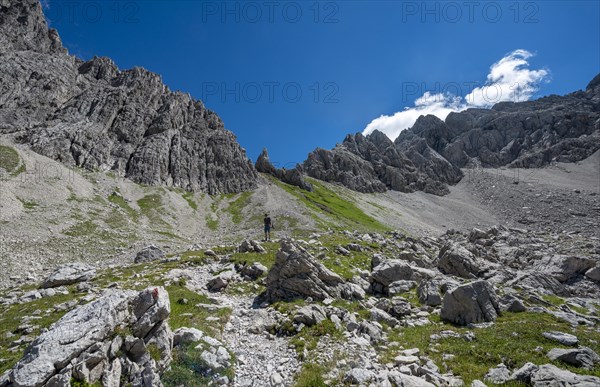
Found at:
(579, 357)
(297, 274)
(561, 337)
(294, 176)
(427, 157)
(95, 116)
(456, 260)
(83, 344)
(475, 302)
(550, 375)
(148, 254)
(69, 274)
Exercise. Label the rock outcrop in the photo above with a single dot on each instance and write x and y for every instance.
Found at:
(427, 157)
(294, 176)
(69, 274)
(95, 116)
(106, 341)
(471, 303)
(297, 274)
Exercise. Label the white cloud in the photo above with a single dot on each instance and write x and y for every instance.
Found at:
(509, 80)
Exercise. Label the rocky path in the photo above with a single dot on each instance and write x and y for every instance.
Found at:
(261, 359)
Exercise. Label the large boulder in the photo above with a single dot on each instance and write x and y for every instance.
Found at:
(430, 291)
(564, 267)
(69, 274)
(550, 375)
(148, 254)
(389, 271)
(475, 302)
(86, 345)
(579, 357)
(456, 260)
(297, 274)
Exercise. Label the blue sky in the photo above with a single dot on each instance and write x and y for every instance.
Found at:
(293, 76)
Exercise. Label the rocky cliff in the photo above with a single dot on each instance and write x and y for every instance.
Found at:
(95, 116)
(427, 157)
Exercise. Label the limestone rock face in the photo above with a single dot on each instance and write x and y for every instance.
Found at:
(475, 302)
(95, 116)
(427, 157)
(85, 345)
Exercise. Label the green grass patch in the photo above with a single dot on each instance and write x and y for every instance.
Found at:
(192, 316)
(122, 203)
(512, 340)
(345, 266)
(85, 228)
(311, 375)
(9, 159)
(28, 204)
(267, 259)
(309, 337)
(151, 207)
(189, 198)
(236, 207)
(342, 212)
(211, 223)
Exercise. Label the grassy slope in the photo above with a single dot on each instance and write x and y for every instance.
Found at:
(332, 210)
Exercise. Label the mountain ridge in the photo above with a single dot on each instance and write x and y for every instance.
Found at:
(93, 115)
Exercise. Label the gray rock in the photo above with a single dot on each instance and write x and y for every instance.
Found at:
(185, 335)
(83, 337)
(389, 271)
(402, 286)
(297, 274)
(561, 337)
(69, 274)
(524, 373)
(564, 267)
(310, 315)
(251, 246)
(475, 302)
(359, 376)
(550, 375)
(149, 253)
(498, 375)
(220, 281)
(456, 260)
(402, 380)
(211, 361)
(510, 303)
(579, 357)
(593, 274)
(254, 271)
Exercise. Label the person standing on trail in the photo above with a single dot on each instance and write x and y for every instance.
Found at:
(268, 226)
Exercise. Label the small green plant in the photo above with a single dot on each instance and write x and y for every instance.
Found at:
(9, 159)
(154, 351)
(28, 205)
(212, 224)
(311, 375)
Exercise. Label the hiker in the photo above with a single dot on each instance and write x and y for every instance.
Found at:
(268, 226)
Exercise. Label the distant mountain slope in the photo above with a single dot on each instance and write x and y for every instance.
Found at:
(427, 157)
(92, 115)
